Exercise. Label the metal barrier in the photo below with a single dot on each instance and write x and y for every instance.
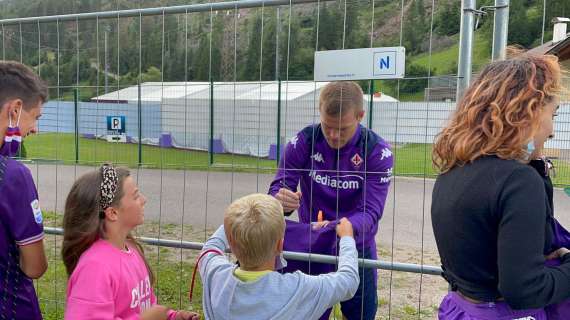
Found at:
(298, 256)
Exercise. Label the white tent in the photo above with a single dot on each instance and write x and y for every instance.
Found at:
(152, 92)
(245, 114)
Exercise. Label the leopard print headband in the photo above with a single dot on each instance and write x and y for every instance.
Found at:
(108, 186)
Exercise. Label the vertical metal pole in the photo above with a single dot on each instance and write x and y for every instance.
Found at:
(139, 107)
(500, 30)
(278, 154)
(543, 21)
(139, 94)
(106, 62)
(21, 46)
(277, 31)
(76, 118)
(211, 149)
(371, 105)
(3, 45)
(465, 46)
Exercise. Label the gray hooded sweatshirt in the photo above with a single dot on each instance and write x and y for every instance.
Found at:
(274, 296)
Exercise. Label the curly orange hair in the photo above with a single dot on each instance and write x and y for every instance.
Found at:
(499, 112)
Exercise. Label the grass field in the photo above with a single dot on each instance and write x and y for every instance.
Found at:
(412, 159)
(61, 147)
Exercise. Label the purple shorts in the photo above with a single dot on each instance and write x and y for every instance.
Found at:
(455, 307)
(559, 310)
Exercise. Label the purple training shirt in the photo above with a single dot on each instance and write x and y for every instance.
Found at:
(20, 224)
(351, 182)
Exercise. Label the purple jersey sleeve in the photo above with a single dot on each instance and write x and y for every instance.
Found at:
(20, 205)
(378, 175)
(291, 165)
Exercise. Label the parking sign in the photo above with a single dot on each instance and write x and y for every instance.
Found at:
(116, 124)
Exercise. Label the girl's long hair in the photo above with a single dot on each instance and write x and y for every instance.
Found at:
(82, 222)
(499, 112)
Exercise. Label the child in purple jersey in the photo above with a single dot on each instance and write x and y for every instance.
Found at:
(561, 236)
(22, 257)
(109, 275)
(491, 213)
(344, 170)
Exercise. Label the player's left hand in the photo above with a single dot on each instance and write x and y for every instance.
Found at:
(186, 315)
(320, 224)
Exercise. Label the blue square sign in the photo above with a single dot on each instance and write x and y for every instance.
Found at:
(385, 63)
(116, 124)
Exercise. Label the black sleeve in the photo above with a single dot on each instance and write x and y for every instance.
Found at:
(524, 281)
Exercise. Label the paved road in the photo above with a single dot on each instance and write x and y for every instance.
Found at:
(199, 198)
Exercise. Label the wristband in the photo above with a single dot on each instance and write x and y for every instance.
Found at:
(172, 314)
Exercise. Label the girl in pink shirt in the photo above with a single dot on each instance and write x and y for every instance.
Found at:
(109, 275)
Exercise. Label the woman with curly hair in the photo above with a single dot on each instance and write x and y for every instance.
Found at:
(491, 215)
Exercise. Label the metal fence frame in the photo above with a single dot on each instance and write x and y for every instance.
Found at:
(191, 8)
(464, 70)
(297, 256)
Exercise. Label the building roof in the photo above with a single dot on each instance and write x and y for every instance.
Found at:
(265, 90)
(153, 92)
(560, 49)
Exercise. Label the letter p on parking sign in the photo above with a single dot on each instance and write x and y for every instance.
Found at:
(116, 123)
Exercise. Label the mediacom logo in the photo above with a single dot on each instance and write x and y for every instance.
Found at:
(336, 182)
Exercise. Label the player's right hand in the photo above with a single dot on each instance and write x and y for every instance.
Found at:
(289, 200)
(344, 228)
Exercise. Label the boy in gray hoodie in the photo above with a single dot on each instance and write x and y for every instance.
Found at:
(253, 228)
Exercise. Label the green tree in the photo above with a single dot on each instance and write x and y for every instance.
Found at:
(414, 85)
(250, 69)
(448, 18)
(524, 26)
(153, 74)
(415, 27)
(329, 29)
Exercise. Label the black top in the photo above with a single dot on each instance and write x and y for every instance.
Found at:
(544, 169)
(492, 225)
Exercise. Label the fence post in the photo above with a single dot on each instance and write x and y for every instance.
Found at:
(76, 119)
(211, 147)
(278, 148)
(371, 106)
(500, 29)
(139, 115)
(465, 46)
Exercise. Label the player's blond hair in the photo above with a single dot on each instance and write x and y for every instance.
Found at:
(338, 98)
(254, 224)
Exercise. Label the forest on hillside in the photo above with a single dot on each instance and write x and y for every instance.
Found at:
(251, 44)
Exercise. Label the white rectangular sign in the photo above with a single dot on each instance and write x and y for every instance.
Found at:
(360, 64)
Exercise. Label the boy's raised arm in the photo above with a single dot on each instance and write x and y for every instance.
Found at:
(215, 246)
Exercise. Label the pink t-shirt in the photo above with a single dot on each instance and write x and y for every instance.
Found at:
(109, 283)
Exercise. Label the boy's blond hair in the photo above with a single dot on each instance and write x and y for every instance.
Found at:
(340, 97)
(254, 223)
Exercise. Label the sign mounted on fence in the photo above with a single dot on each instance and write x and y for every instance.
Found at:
(360, 64)
(116, 126)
